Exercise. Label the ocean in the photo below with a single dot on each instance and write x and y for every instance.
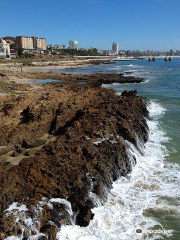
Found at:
(148, 199)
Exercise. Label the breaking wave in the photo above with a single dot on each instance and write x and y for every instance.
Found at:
(147, 187)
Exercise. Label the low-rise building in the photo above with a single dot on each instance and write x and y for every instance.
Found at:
(4, 49)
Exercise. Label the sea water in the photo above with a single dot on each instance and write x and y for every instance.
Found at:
(149, 197)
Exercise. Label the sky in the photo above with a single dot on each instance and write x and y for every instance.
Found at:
(133, 24)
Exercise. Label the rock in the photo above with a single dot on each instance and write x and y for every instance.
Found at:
(4, 76)
(5, 150)
(86, 151)
(32, 143)
(129, 93)
(27, 116)
(50, 231)
(26, 234)
(26, 153)
(43, 238)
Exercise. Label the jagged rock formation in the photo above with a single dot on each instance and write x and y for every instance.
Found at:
(64, 143)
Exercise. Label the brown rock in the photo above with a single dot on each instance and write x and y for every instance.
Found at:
(85, 154)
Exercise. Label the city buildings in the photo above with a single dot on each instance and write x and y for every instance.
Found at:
(146, 53)
(29, 44)
(40, 44)
(4, 49)
(115, 48)
(73, 44)
(56, 47)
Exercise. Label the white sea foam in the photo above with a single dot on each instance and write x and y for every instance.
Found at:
(151, 181)
(24, 220)
(150, 184)
(134, 66)
(12, 238)
(130, 65)
(16, 206)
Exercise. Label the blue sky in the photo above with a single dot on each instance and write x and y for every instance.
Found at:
(134, 24)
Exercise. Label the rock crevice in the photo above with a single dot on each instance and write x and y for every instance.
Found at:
(70, 144)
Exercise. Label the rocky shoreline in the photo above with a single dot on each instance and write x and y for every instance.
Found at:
(22, 82)
(62, 146)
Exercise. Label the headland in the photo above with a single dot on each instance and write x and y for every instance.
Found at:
(62, 146)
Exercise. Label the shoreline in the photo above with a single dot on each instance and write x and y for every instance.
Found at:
(23, 73)
(23, 83)
(15, 81)
(61, 144)
(40, 66)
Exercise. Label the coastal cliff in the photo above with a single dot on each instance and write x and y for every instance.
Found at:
(61, 150)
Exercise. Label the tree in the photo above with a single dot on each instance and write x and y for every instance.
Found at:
(20, 52)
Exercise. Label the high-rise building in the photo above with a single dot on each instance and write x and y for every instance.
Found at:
(115, 48)
(171, 51)
(31, 43)
(73, 44)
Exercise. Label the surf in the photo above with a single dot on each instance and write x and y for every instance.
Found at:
(134, 195)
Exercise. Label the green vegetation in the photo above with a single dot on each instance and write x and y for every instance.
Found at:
(5, 90)
(4, 84)
(20, 52)
(80, 52)
(18, 60)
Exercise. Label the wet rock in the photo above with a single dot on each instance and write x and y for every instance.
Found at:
(129, 93)
(43, 238)
(85, 154)
(50, 231)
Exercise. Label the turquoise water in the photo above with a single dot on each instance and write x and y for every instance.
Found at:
(163, 85)
(162, 172)
(149, 197)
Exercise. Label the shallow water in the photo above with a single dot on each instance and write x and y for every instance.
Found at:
(149, 197)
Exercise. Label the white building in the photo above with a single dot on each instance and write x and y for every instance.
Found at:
(4, 49)
(73, 44)
(115, 48)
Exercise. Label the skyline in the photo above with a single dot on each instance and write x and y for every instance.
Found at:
(133, 24)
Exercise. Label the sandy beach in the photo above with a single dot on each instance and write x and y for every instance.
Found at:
(41, 66)
(44, 66)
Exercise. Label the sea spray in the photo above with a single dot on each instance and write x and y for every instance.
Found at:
(132, 196)
(29, 225)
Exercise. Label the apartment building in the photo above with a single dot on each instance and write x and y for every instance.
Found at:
(73, 44)
(25, 43)
(115, 48)
(31, 43)
(40, 44)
